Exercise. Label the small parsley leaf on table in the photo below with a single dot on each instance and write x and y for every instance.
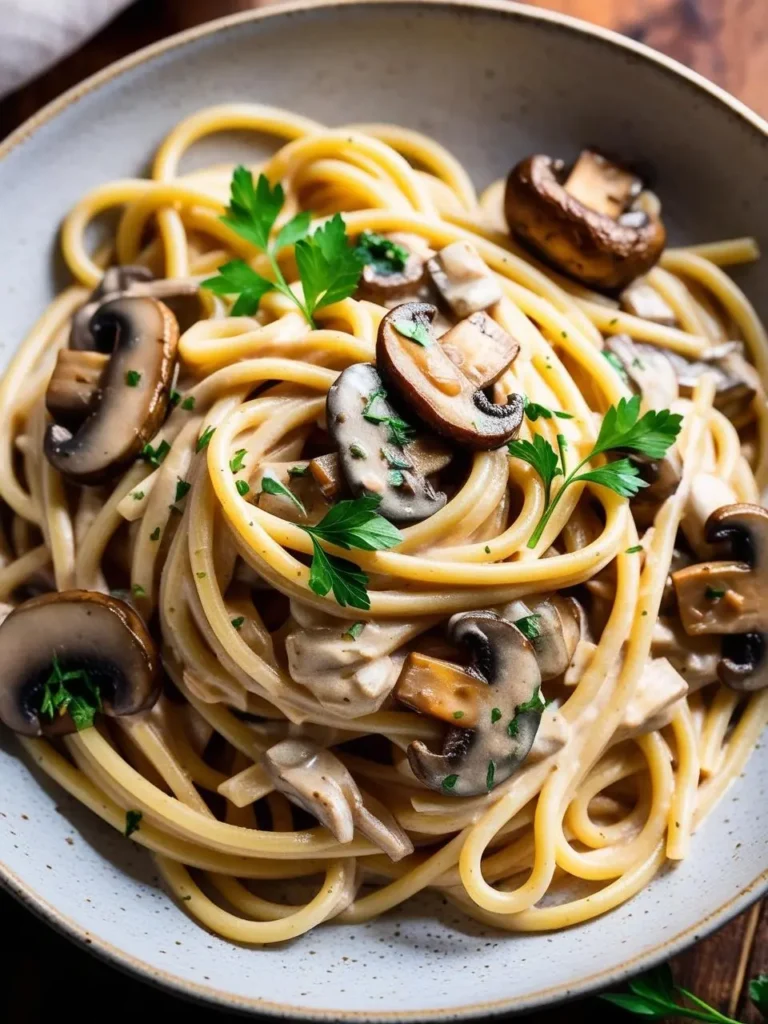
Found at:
(655, 996)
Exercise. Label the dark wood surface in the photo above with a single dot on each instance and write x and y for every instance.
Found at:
(726, 40)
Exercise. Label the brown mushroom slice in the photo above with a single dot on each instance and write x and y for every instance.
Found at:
(737, 382)
(74, 385)
(729, 598)
(372, 461)
(133, 395)
(101, 641)
(441, 690)
(463, 280)
(508, 711)
(315, 780)
(662, 476)
(642, 300)
(429, 455)
(649, 371)
(554, 625)
(421, 372)
(181, 295)
(695, 658)
(385, 280)
(708, 493)
(481, 349)
(591, 224)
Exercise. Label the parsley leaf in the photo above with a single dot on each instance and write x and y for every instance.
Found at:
(242, 487)
(155, 535)
(417, 332)
(654, 995)
(617, 364)
(204, 439)
(132, 378)
(188, 404)
(354, 631)
(622, 429)
(74, 692)
(182, 489)
(155, 456)
(297, 471)
(329, 267)
(541, 455)
(237, 278)
(529, 626)
(348, 524)
(236, 462)
(238, 622)
(385, 256)
(536, 704)
(347, 580)
(132, 822)
(450, 781)
(271, 485)
(714, 593)
(533, 410)
(758, 993)
(490, 775)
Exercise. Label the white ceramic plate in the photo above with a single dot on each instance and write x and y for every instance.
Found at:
(493, 82)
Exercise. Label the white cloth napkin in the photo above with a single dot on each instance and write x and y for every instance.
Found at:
(36, 33)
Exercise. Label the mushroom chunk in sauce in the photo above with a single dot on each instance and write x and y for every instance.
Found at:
(131, 399)
(730, 598)
(426, 379)
(395, 267)
(592, 223)
(373, 459)
(481, 349)
(463, 280)
(315, 780)
(70, 654)
(497, 712)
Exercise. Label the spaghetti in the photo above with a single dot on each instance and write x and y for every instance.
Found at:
(630, 755)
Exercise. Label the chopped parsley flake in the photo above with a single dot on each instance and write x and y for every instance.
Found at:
(354, 631)
(238, 622)
(132, 822)
(714, 593)
(182, 489)
(450, 781)
(188, 404)
(242, 487)
(132, 378)
(205, 439)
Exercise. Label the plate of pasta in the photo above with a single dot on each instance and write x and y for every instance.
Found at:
(382, 470)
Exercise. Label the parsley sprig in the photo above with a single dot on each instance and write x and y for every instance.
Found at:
(654, 995)
(622, 429)
(348, 524)
(74, 692)
(384, 255)
(329, 267)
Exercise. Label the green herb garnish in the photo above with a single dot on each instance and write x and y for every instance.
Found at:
(536, 703)
(617, 364)
(458, 714)
(182, 489)
(132, 378)
(758, 993)
(490, 775)
(622, 429)
(137, 495)
(495, 715)
(714, 593)
(417, 332)
(236, 462)
(238, 622)
(297, 471)
(357, 451)
(395, 478)
(654, 995)
(155, 535)
(385, 256)
(132, 822)
(188, 404)
(74, 692)
(400, 432)
(450, 781)
(174, 398)
(138, 590)
(242, 487)
(354, 631)
(634, 550)
(205, 438)
(271, 485)
(533, 411)
(329, 267)
(529, 626)
(349, 524)
(201, 575)
(155, 456)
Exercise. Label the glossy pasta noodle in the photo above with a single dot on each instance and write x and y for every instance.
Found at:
(626, 763)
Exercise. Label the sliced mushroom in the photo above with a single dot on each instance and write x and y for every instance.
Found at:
(133, 393)
(428, 454)
(419, 369)
(463, 280)
(74, 385)
(481, 349)
(499, 693)
(181, 295)
(315, 780)
(351, 668)
(737, 382)
(662, 476)
(372, 461)
(641, 299)
(649, 371)
(707, 494)
(386, 279)
(593, 223)
(695, 658)
(554, 625)
(730, 598)
(100, 640)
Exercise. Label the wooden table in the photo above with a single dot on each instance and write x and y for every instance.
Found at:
(726, 40)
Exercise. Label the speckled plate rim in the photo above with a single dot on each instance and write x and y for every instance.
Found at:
(206, 993)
